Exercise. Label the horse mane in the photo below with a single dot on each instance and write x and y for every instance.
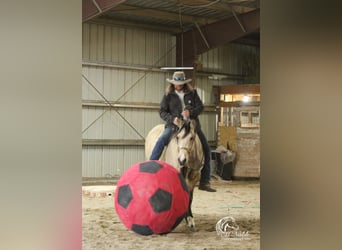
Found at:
(187, 126)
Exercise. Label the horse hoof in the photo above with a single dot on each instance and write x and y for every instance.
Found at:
(190, 222)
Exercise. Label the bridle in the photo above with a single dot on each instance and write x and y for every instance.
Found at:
(189, 148)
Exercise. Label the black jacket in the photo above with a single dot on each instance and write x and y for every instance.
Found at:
(171, 107)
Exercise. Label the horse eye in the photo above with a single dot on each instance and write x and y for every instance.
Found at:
(191, 138)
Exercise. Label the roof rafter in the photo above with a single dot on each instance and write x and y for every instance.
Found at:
(94, 8)
(191, 43)
(160, 14)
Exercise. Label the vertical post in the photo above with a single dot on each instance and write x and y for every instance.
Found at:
(185, 55)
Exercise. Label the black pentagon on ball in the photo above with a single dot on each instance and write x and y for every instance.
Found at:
(125, 196)
(142, 229)
(161, 201)
(183, 183)
(150, 167)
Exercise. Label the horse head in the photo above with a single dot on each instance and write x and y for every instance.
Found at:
(185, 139)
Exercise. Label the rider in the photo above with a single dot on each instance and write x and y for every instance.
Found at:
(182, 100)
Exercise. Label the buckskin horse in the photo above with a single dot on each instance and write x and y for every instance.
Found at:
(183, 152)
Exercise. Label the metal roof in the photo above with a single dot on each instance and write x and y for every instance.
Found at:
(173, 13)
(170, 15)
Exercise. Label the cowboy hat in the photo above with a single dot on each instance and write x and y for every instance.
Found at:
(178, 78)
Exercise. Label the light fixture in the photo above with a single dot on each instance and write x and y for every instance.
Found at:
(177, 68)
(217, 77)
(245, 98)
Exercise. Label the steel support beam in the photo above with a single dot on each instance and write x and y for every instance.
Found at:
(190, 44)
(121, 66)
(94, 8)
(112, 142)
(132, 105)
(120, 142)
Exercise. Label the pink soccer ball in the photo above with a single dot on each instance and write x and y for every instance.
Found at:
(151, 197)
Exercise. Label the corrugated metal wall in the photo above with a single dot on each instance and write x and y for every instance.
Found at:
(121, 65)
(233, 59)
(108, 161)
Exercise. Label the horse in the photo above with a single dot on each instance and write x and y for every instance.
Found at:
(184, 152)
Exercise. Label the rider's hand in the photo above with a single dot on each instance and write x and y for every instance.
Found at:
(176, 121)
(186, 113)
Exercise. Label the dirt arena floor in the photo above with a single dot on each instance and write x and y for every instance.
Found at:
(102, 228)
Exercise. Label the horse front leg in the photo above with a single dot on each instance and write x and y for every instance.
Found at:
(190, 221)
(192, 178)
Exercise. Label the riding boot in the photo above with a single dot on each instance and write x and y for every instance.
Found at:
(206, 187)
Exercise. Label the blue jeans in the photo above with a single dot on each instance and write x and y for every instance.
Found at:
(205, 172)
(164, 139)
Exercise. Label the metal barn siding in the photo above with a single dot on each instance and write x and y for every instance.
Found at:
(109, 160)
(127, 45)
(120, 65)
(233, 59)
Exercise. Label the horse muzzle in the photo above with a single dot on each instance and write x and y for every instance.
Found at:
(183, 154)
(182, 161)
